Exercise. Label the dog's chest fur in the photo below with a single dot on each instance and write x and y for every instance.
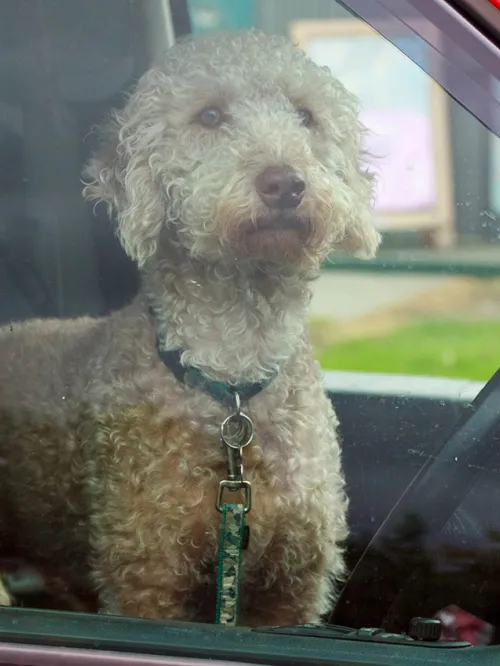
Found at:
(107, 454)
(164, 454)
(160, 463)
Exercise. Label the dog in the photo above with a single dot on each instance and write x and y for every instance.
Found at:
(232, 171)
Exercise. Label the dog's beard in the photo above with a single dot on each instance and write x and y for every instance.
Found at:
(279, 237)
(285, 239)
(231, 230)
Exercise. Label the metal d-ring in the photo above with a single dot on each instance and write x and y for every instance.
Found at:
(237, 403)
(244, 435)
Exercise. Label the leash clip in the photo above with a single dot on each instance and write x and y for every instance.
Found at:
(246, 486)
(236, 433)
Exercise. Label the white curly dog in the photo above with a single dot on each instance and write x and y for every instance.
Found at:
(232, 172)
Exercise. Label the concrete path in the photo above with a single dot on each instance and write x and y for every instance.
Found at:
(347, 295)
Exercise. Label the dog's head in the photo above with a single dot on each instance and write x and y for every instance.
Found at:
(237, 148)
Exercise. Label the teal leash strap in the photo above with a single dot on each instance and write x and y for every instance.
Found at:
(236, 433)
(231, 546)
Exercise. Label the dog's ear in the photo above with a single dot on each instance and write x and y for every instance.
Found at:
(361, 238)
(120, 175)
(358, 235)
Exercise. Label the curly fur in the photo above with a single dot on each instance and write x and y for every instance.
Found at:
(112, 466)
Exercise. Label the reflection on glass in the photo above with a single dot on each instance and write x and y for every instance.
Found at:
(438, 219)
(428, 305)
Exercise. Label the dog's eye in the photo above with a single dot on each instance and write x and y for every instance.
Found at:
(210, 117)
(306, 117)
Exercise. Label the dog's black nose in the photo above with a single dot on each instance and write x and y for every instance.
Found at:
(280, 187)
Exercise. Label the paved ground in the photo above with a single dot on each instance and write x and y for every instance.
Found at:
(347, 304)
(347, 295)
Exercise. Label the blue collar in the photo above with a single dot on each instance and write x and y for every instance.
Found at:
(223, 392)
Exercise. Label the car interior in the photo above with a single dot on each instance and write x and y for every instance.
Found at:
(422, 464)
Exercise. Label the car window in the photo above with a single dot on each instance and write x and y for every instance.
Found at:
(424, 305)
(434, 279)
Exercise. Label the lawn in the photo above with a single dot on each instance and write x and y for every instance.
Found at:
(462, 349)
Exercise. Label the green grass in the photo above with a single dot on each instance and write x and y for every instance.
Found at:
(468, 350)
